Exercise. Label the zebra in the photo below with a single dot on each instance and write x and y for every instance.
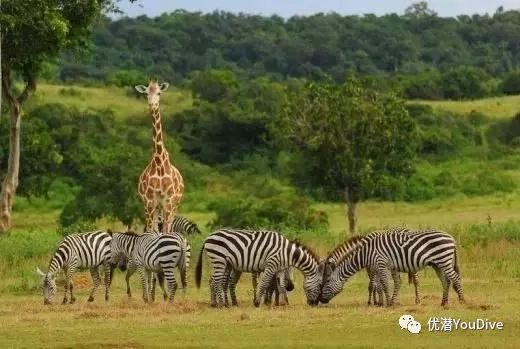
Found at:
(149, 253)
(256, 251)
(83, 250)
(181, 225)
(374, 287)
(274, 287)
(396, 252)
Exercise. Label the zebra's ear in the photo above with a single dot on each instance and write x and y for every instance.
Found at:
(321, 268)
(39, 272)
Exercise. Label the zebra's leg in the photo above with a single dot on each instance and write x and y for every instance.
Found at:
(451, 275)
(280, 289)
(144, 282)
(129, 272)
(152, 286)
(217, 284)
(396, 276)
(445, 284)
(161, 280)
(384, 275)
(267, 278)
(96, 281)
(68, 280)
(169, 276)
(227, 283)
(414, 277)
(271, 289)
(108, 279)
(234, 276)
(371, 286)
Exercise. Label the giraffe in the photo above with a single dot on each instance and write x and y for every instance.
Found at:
(160, 185)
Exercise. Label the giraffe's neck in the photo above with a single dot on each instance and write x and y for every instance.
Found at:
(158, 141)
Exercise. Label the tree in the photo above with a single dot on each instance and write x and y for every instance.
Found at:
(34, 32)
(353, 137)
(419, 10)
(511, 83)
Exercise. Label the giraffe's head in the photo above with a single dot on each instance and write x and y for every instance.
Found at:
(153, 90)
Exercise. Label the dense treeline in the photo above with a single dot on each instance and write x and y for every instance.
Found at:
(427, 56)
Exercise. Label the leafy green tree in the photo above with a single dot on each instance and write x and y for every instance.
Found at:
(511, 83)
(353, 137)
(464, 82)
(32, 33)
(214, 85)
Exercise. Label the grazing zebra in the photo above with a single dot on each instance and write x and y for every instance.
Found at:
(399, 252)
(181, 225)
(374, 287)
(274, 287)
(149, 253)
(256, 251)
(84, 250)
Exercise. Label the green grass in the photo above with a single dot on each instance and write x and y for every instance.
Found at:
(497, 107)
(490, 276)
(117, 99)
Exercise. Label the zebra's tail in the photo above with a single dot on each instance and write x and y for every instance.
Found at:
(455, 263)
(198, 269)
(410, 278)
(183, 263)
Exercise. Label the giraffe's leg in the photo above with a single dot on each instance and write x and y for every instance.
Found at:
(168, 213)
(150, 212)
(96, 281)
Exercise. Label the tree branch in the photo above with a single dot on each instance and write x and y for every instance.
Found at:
(6, 88)
(29, 89)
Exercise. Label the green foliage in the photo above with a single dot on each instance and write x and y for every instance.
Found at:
(352, 137)
(277, 212)
(214, 85)
(21, 245)
(464, 82)
(511, 83)
(179, 43)
(127, 78)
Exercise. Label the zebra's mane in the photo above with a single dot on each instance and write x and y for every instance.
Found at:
(309, 250)
(347, 243)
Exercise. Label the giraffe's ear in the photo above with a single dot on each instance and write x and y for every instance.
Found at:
(164, 86)
(141, 89)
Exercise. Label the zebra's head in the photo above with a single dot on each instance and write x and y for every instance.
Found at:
(312, 286)
(48, 286)
(332, 285)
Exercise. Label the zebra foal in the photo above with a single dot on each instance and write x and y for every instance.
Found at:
(399, 252)
(254, 252)
(84, 250)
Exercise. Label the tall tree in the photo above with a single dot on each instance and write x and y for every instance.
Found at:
(33, 32)
(353, 137)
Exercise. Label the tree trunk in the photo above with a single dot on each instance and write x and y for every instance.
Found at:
(10, 182)
(351, 195)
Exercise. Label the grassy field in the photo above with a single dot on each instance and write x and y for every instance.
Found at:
(490, 271)
(497, 107)
(121, 101)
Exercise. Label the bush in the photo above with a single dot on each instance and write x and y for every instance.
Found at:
(277, 212)
(511, 83)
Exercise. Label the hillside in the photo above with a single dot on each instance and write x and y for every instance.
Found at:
(123, 102)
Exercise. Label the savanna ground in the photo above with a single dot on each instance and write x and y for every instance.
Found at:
(487, 229)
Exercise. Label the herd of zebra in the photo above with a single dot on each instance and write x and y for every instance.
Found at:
(268, 255)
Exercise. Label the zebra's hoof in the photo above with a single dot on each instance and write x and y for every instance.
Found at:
(257, 303)
(72, 300)
(91, 299)
(107, 298)
(64, 301)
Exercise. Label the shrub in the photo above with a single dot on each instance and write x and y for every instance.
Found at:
(277, 212)
(511, 83)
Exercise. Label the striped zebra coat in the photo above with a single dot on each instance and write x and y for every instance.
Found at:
(84, 250)
(257, 251)
(149, 253)
(374, 286)
(283, 277)
(399, 252)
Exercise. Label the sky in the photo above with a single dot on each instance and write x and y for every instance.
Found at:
(288, 8)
